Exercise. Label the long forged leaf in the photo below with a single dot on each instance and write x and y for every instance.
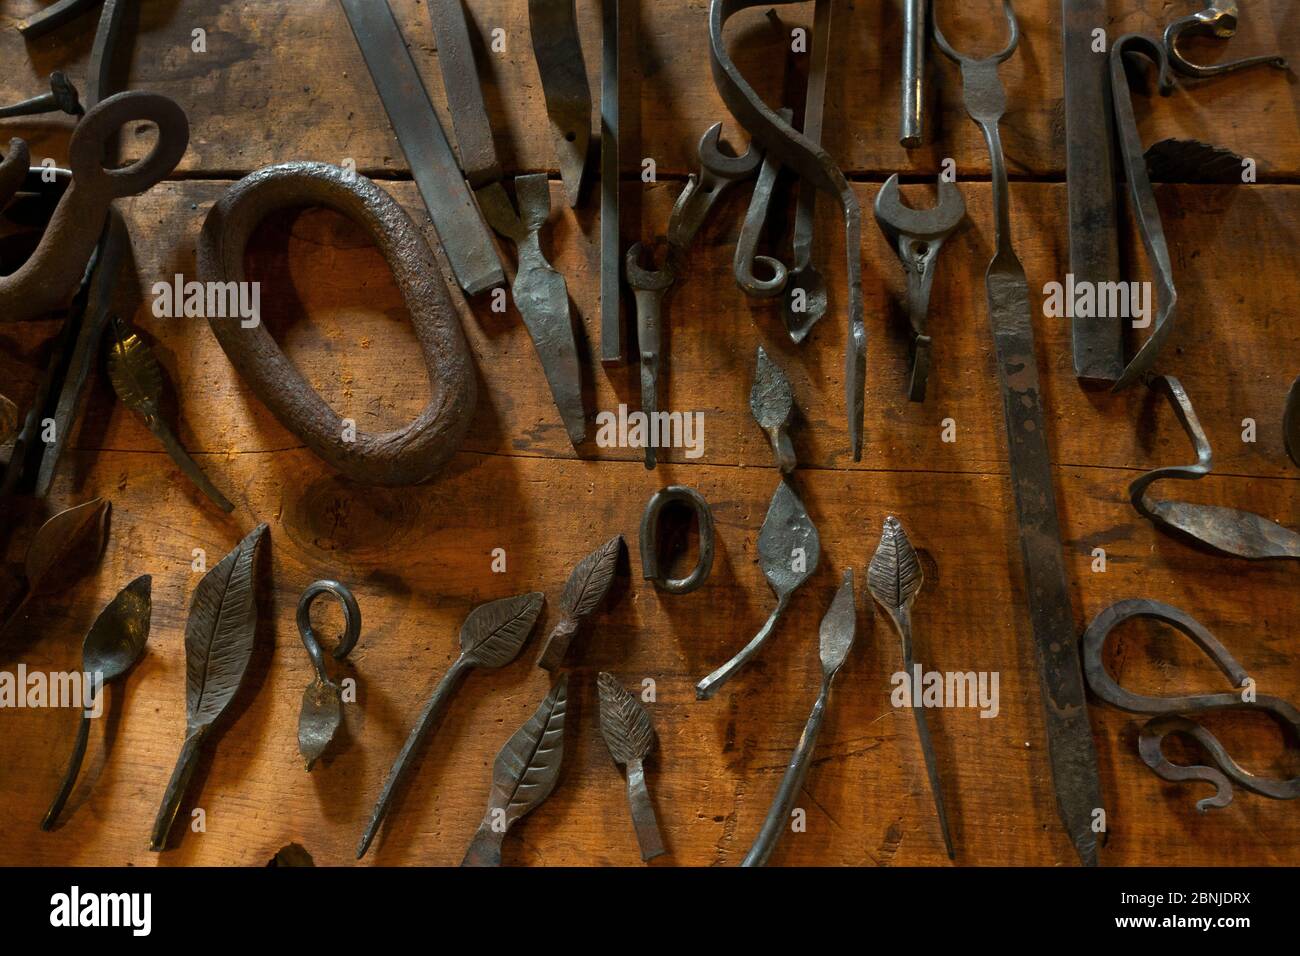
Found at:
(894, 575)
(624, 723)
(527, 767)
(219, 634)
(590, 580)
(66, 545)
(133, 370)
(494, 633)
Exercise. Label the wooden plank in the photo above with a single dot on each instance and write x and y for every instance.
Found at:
(281, 65)
(358, 339)
(418, 559)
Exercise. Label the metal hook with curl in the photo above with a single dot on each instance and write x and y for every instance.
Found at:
(1218, 19)
(322, 701)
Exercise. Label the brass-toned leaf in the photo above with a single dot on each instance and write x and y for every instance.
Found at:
(319, 719)
(624, 723)
(118, 636)
(839, 626)
(590, 580)
(133, 370)
(66, 546)
(494, 633)
(219, 634)
(788, 544)
(526, 769)
(894, 575)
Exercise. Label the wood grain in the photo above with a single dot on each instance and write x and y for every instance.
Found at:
(284, 81)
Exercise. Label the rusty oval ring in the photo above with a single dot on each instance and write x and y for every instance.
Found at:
(410, 455)
(650, 539)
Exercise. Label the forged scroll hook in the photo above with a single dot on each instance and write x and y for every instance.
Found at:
(1218, 19)
(351, 622)
(1014, 25)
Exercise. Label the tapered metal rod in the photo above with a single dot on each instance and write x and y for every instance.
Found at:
(910, 132)
(611, 254)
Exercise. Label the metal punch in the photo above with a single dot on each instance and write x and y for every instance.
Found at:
(539, 291)
(918, 235)
(649, 286)
(911, 125)
(1171, 712)
(1241, 534)
(651, 521)
(1070, 746)
(816, 167)
(1218, 19)
(804, 303)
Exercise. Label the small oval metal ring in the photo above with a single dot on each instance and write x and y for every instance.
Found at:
(650, 539)
(351, 620)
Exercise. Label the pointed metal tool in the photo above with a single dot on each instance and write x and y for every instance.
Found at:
(554, 28)
(838, 629)
(894, 579)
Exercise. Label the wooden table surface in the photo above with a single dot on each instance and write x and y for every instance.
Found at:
(283, 79)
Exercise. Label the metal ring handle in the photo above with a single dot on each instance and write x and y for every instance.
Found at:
(351, 621)
(650, 569)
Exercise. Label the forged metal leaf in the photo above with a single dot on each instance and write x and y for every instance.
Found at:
(219, 634)
(117, 638)
(67, 545)
(133, 370)
(894, 575)
(839, 626)
(527, 767)
(8, 420)
(624, 723)
(319, 719)
(771, 400)
(1191, 161)
(788, 540)
(590, 580)
(494, 633)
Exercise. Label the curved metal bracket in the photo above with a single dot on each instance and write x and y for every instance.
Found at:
(1218, 19)
(1170, 711)
(1242, 534)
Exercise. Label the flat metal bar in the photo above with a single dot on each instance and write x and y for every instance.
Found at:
(557, 47)
(1098, 343)
(474, 142)
(612, 347)
(464, 235)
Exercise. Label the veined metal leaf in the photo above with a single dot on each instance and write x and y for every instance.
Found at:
(66, 546)
(624, 723)
(219, 634)
(134, 371)
(894, 575)
(590, 580)
(839, 627)
(494, 633)
(527, 767)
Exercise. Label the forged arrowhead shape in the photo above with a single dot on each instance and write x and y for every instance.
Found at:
(771, 402)
(789, 549)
